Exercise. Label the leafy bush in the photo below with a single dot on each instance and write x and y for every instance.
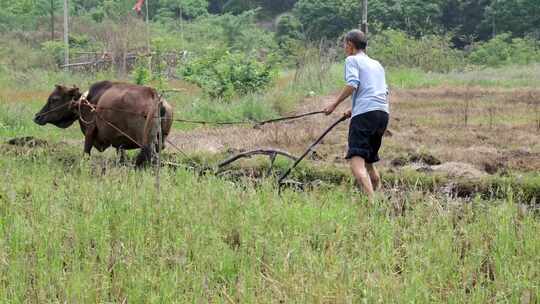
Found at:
(288, 27)
(158, 47)
(55, 49)
(429, 53)
(141, 74)
(188, 9)
(78, 41)
(502, 50)
(222, 74)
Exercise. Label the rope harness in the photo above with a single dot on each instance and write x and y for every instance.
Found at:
(55, 109)
(83, 101)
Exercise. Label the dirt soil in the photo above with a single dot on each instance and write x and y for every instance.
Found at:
(489, 130)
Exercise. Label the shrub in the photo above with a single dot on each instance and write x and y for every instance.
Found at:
(429, 53)
(174, 9)
(288, 27)
(141, 74)
(55, 49)
(78, 41)
(222, 74)
(502, 50)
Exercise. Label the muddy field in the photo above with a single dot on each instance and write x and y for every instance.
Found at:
(484, 131)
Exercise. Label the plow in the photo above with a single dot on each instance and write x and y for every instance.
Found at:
(271, 153)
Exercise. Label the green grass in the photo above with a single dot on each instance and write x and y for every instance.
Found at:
(16, 121)
(504, 77)
(86, 231)
(284, 97)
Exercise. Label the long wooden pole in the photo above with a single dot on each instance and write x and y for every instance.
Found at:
(284, 176)
(66, 35)
(148, 43)
(52, 19)
(364, 24)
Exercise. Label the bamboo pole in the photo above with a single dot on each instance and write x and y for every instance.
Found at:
(66, 36)
(148, 43)
(364, 24)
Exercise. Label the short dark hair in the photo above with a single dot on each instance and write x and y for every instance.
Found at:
(357, 38)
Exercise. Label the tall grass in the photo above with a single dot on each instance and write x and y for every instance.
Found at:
(507, 77)
(78, 231)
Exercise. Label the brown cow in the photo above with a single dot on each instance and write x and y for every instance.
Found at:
(112, 114)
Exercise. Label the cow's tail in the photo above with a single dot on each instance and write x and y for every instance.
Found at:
(150, 133)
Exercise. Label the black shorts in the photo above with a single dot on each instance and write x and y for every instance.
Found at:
(365, 135)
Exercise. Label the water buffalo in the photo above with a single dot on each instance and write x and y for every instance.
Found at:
(110, 114)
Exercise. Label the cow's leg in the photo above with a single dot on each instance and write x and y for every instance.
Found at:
(145, 156)
(149, 142)
(89, 139)
(121, 153)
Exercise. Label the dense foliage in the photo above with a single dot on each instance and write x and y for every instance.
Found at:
(222, 74)
(466, 19)
(441, 35)
(429, 53)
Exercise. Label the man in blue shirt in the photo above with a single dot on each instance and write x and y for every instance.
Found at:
(366, 83)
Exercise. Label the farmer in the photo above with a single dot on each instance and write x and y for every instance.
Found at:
(366, 83)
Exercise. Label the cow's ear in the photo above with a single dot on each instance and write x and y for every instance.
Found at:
(75, 93)
(59, 87)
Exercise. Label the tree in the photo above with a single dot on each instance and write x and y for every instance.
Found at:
(271, 7)
(519, 17)
(216, 6)
(239, 6)
(49, 7)
(277, 6)
(288, 27)
(416, 17)
(187, 9)
(327, 18)
(462, 17)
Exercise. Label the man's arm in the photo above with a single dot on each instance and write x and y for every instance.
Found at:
(352, 77)
(345, 93)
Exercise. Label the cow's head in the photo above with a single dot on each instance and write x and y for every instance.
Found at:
(58, 110)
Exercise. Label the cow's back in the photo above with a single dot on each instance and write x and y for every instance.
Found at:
(122, 110)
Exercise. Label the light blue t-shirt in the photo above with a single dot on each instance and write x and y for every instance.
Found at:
(368, 77)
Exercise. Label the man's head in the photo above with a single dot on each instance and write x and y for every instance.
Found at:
(355, 41)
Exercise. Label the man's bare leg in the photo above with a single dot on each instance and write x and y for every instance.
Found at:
(374, 176)
(358, 167)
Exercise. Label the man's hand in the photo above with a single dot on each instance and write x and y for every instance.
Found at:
(330, 108)
(348, 113)
(345, 93)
